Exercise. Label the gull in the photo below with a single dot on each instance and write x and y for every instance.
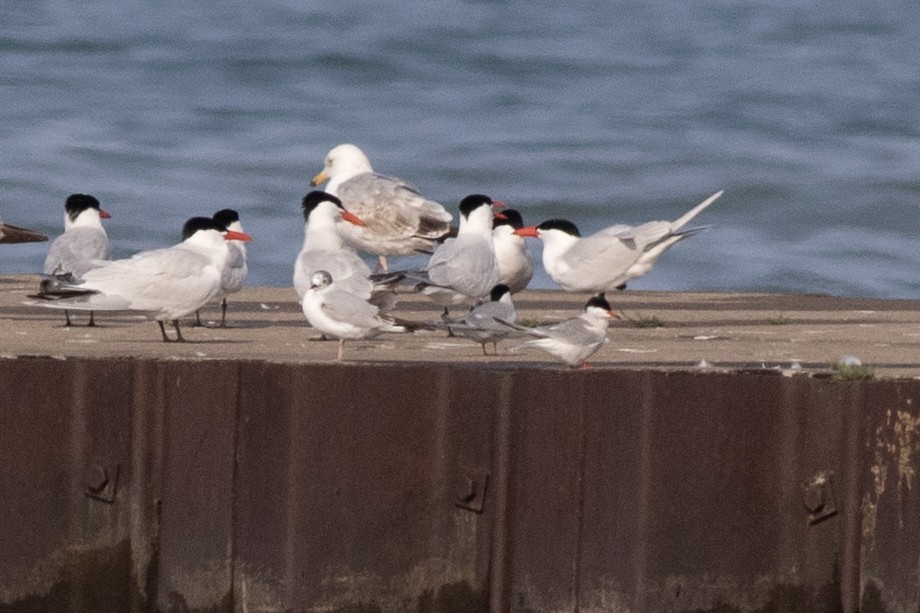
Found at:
(398, 219)
(14, 234)
(481, 323)
(83, 245)
(341, 314)
(165, 283)
(514, 261)
(463, 270)
(325, 249)
(610, 257)
(574, 340)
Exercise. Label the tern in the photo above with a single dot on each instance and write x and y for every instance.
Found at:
(482, 325)
(463, 270)
(83, 245)
(611, 257)
(341, 314)
(574, 340)
(514, 261)
(165, 283)
(236, 268)
(398, 219)
(325, 249)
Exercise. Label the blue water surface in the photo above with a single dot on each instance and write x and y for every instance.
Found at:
(806, 113)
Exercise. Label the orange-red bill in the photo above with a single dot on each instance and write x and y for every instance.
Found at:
(529, 231)
(352, 218)
(104, 214)
(498, 204)
(233, 235)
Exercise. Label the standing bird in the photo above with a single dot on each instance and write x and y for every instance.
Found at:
(463, 270)
(324, 248)
(14, 234)
(236, 269)
(574, 340)
(481, 323)
(83, 245)
(398, 219)
(166, 283)
(609, 258)
(341, 314)
(514, 261)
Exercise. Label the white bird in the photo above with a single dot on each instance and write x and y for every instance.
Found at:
(14, 234)
(481, 323)
(514, 261)
(463, 270)
(574, 340)
(83, 245)
(341, 314)
(324, 248)
(236, 269)
(398, 219)
(166, 283)
(609, 258)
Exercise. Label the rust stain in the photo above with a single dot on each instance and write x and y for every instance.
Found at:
(897, 447)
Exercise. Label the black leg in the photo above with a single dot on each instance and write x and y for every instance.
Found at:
(179, 338)
(163, 331)
(197, 323)
(67, 319)
(223, 313)
(92, 319)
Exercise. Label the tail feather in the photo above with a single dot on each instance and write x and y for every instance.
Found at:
(686, 217)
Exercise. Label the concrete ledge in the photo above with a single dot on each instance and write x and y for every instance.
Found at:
(730, 331)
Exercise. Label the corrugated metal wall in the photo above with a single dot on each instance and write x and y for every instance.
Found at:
(250, 486)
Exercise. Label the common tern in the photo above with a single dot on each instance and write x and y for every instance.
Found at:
(611, 257)
(236, 268)
(165, 283)
(84, 245)
(514, 261)
(341, 314)
(463, 270)
(574, 340)
(481, 323)
(14, 234)
(325, 249)
(398, 219)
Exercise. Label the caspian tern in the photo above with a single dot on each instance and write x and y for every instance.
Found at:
(481, 323)
(514, 261)
(574, 340)
(463, 270)
(165, 283)
(236, 269)
(14, 234)
(398, 219)
(83, 245)
(609, 258)
(341, 314)
(324, 248)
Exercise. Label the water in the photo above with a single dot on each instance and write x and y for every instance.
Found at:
(806, 113)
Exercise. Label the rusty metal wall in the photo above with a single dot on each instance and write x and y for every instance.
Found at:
(251, 486)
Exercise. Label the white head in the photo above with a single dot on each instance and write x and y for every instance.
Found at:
(342, 163)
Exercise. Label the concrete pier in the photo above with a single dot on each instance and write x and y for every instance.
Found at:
(662, 330)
